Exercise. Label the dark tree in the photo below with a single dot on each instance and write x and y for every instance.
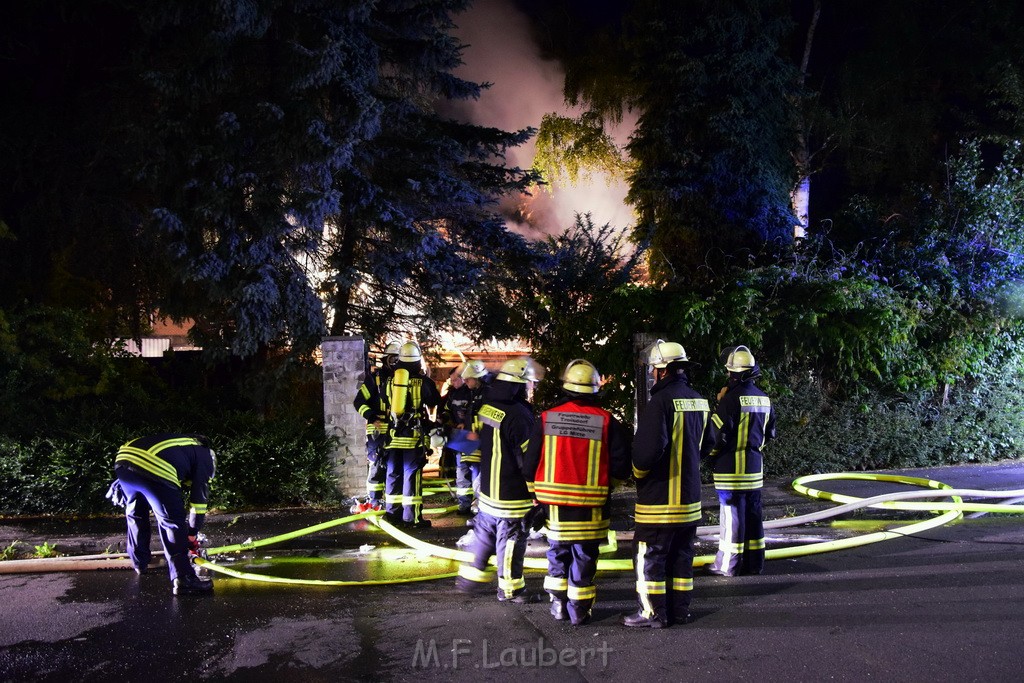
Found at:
(710, 162)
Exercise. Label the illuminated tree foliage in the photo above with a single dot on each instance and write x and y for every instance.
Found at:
(418, 238)
(710, 170)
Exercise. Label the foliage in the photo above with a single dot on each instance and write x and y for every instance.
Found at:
(233, 162)
(574, 148)
(276, 463)
(559, 300)
(50, 361)
(44, 550)
(709, 167)
(900, 353)
(10, 552)
(419, 237)
(259, 463)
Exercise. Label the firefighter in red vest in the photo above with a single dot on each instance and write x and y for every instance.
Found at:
(666, 464)
(578, 451)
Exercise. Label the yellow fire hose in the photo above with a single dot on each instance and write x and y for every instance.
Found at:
(950, 511)
(945, 512)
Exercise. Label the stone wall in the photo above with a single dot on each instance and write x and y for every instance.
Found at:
(344, 364)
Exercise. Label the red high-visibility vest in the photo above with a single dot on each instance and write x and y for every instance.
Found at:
(573, 468)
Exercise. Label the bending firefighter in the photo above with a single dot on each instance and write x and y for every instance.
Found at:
(409, 392)
(150, 474)
(666, 464)
(744, 421)
(507, 422)
(578, 451)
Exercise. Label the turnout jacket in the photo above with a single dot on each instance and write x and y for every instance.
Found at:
(741, 425)
(577, 453)
(666, 454)
(371, 402)
(477, 397)
(454, 407)
(408, 430)
(506, 424)
(173, 460)
(576, 450)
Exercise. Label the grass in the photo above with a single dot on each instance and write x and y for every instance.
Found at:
(45, 550)
(10, 552)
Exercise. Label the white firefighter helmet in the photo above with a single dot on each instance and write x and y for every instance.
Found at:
(410, 353)
(661, 353)
(392, 349)
(474, 369)
(740, 360)
(581, 377)
(521, 370)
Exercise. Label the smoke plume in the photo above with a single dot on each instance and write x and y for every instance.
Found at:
(501, 51)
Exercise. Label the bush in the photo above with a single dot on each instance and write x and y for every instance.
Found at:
(272, 463)
(260, 463)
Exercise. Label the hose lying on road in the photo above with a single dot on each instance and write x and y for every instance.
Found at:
(950, 511)
(945, 511)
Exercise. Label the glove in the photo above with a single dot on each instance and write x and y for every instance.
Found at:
(116, 495)
(534, 519)
(194, 547)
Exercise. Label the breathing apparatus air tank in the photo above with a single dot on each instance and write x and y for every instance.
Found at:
(399, 392)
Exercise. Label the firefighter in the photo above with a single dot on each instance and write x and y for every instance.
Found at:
(467, 469)
(452, 415)
(507, 422)
(151, 471)
(409, 393)
(666, 464)
(577, 453)
(371, 403)
(742, 423)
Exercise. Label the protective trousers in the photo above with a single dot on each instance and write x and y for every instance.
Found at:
(741, 533)
(405, 483)
(663, 563)
(505, 539)
(447, 462)
(570, 579)
(165, 501)
(467, 475)
(377, 470)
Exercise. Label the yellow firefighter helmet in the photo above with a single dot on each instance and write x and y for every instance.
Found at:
(474, 369)
(581, 377)
(661, 353)
(521, 370)
(740, 360)
(410, 353)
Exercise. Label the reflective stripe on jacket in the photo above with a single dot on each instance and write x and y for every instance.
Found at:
(666, 454)
(507, 423)
(573, 467)
(741, 426)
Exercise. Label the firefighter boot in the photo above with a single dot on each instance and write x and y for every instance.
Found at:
(640, 620)
(190, 584)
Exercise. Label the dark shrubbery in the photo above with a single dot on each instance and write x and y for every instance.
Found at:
(68, 404)
(259, 463)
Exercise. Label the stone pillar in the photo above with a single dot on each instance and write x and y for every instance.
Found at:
(344, 363)
(643, 380)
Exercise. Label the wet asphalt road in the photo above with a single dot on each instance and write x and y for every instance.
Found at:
(944, 605)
